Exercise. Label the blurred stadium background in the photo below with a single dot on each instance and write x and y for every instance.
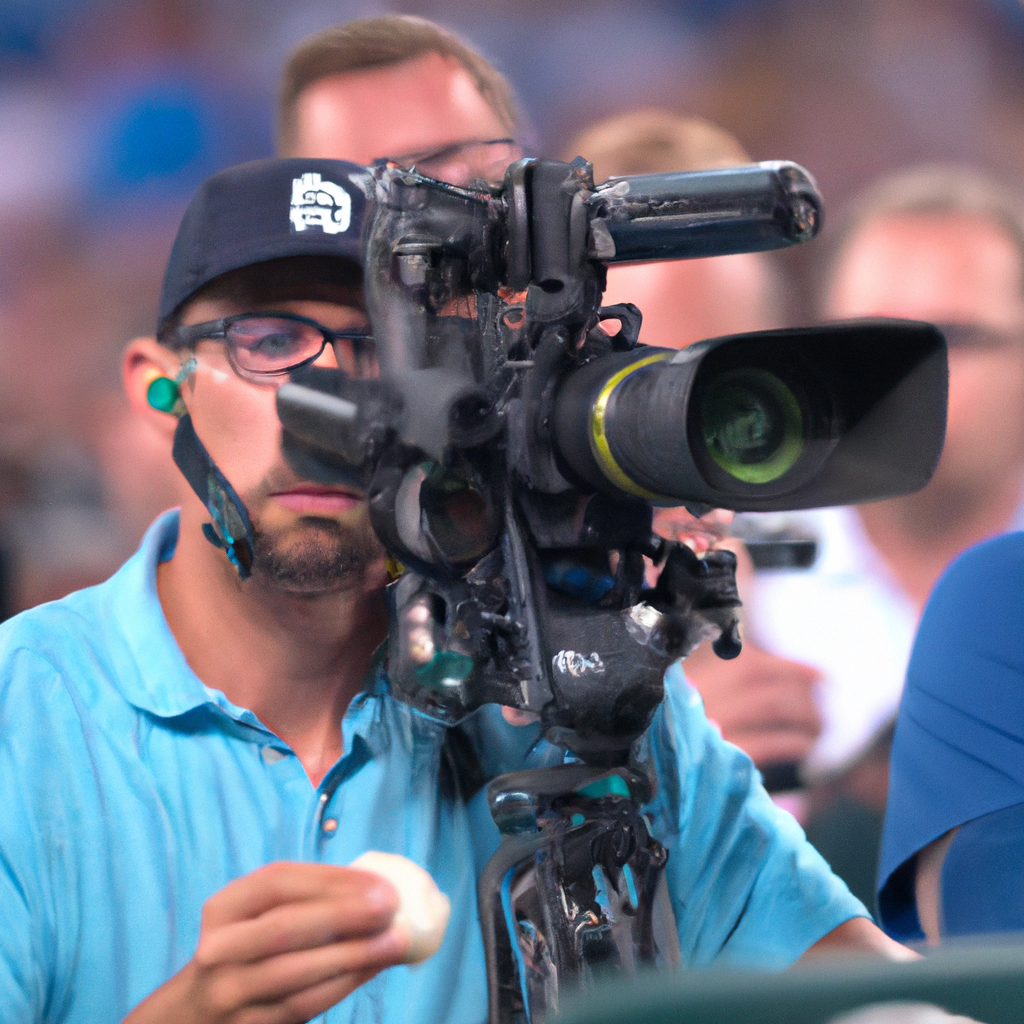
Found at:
(113, 111)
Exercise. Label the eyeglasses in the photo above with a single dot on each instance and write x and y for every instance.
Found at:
(463, 162)
(262, 346)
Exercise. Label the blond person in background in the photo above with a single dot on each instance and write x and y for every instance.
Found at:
(682, 300)
(946, 245)
(762, 703)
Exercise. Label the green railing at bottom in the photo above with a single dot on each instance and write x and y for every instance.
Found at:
(983, 982)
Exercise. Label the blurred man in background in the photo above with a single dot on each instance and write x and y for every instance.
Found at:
(944, 245)
(398, 87)
(762, 702)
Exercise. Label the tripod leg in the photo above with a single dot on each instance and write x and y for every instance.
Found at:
(576, 886)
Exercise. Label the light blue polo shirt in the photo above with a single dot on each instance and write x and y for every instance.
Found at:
(130, 793)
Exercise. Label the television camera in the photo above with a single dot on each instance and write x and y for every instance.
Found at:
(512, 450)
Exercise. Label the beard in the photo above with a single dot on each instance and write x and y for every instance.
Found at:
(317, 554)
(324, 557)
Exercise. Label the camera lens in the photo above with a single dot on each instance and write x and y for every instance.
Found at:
(752, 425)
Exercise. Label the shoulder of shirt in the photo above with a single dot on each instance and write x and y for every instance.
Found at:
(990, 571)
(71, 637)
(80, 636)
(48, 627)
(972, 619)
(681, 714)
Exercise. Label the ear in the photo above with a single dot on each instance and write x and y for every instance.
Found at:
(145, 359)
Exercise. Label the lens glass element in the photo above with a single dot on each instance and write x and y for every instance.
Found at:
(752, 425)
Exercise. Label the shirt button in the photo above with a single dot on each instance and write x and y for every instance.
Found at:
(330, 825)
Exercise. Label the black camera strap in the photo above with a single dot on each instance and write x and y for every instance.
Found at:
(231, 529)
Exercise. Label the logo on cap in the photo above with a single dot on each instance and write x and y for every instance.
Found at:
(319, 204)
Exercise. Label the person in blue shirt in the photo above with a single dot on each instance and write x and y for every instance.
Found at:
(192, 752)
(953, 844)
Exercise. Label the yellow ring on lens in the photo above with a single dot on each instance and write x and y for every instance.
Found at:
(599, 439)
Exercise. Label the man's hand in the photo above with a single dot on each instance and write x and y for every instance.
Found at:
(281, 945)
(859, 936)
(761, 702)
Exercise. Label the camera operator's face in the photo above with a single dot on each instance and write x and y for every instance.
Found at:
(309, 537)
(964, 274)
(418, 106)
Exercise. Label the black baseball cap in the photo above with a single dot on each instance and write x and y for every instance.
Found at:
(261, 211)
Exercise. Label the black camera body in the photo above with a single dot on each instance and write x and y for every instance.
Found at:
(512, 450)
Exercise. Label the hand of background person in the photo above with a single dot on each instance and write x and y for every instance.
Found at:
(282, 945)
(761, 702)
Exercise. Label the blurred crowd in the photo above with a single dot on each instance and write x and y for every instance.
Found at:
(908, 113)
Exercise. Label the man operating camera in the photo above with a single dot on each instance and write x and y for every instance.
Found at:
(190, 759)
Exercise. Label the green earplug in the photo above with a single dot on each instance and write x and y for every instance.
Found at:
(163, 394)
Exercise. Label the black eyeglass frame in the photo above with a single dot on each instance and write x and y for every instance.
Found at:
(410, 160)
(217, 330)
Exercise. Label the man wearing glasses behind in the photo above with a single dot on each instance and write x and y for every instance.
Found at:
(402, 88)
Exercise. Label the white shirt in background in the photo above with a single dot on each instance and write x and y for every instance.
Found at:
(848, 617)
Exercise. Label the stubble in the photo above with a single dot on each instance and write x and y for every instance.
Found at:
(316, 554)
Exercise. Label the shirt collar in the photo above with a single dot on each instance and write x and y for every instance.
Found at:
(162, 682)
